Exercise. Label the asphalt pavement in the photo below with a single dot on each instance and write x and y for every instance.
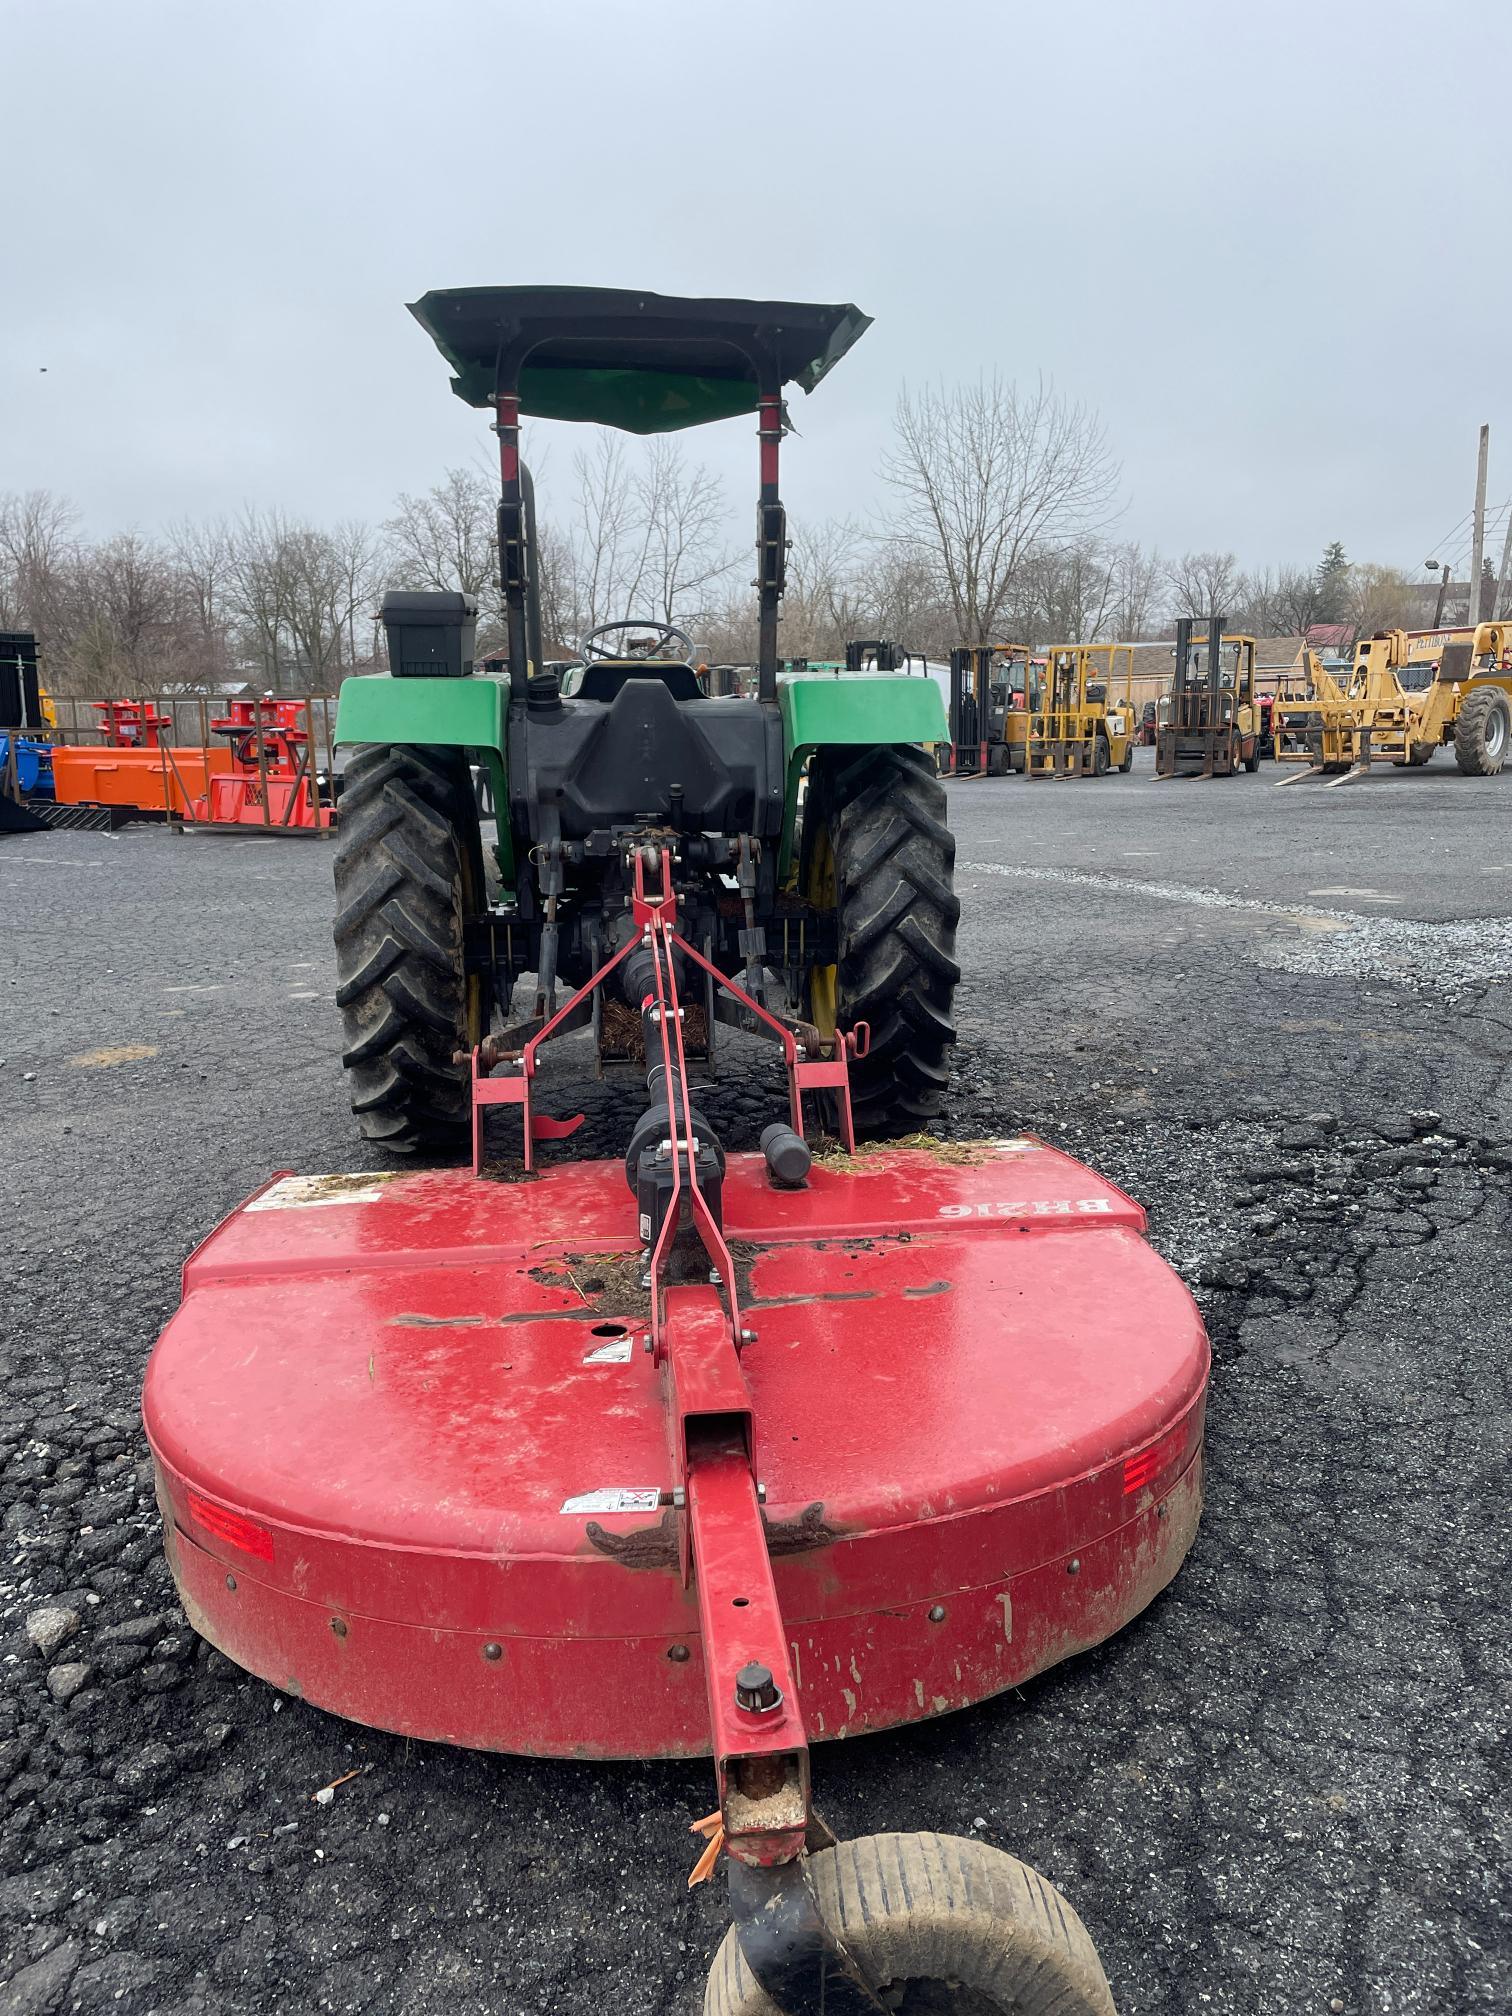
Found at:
(1280, 1018)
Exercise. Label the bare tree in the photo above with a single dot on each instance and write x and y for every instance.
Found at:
(448, 539)
(1136, 581)
(682, 508)
(825, 596)
(985, 474)
(1300, 600)
(1258, 605)
(1067, 594)
(898, 596)
(1202, 584)
(201, 559)
(1376, 598)
(608, 539)
(357, 552)
(38, 546)
(260, 590)
(133, 588)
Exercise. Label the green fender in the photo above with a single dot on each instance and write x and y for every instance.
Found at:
(444, 713)
(819, 711)
(851, 710)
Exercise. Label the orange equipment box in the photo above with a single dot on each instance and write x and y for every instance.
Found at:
(152, 780)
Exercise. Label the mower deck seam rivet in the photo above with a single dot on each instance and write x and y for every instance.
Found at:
(338, 1625)
(1073, 1566)
(230, 1581)
(678, 1654)
(937, 1613)
(492, 1651)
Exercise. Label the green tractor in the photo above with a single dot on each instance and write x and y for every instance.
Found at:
(805, 826)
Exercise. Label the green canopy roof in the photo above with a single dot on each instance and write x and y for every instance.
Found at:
(649, 363)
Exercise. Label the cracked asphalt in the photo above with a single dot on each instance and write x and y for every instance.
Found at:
(1280, 1019)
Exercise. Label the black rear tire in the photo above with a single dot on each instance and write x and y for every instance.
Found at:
(1482, 730)
(409, 870)
(880, 815)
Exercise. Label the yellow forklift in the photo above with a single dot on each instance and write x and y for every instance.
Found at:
(1075, 729)
(1407, 694)
(1209, 722)
(990, 693)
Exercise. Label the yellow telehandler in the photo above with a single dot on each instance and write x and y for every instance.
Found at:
(1407, 693)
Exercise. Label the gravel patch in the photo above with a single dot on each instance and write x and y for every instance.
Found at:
(1451, 958)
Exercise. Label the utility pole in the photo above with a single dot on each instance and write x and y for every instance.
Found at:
(1506, 567)
(1478, 554)
(1442, 570)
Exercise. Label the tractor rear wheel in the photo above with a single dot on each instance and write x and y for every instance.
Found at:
(876, 849)
(409, 871)
(932, 1923)
(1482, 729)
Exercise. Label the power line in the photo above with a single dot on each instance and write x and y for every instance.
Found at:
(1452, 533)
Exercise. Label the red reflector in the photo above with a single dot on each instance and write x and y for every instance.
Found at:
(1142, 1470)
(231, 1527)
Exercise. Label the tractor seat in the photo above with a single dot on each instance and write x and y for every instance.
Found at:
(605, 678)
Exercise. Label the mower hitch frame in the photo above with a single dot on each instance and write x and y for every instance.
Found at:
(759, 1743)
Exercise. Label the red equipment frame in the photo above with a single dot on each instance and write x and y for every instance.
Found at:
(270, 780)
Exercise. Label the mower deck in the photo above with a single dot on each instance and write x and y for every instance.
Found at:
(412, 1452)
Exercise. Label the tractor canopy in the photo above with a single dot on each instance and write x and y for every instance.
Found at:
(648, 363)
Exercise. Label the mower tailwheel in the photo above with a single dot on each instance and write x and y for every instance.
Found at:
(876, 846)
(409, 869)
(933, 1925)
(1482, 729)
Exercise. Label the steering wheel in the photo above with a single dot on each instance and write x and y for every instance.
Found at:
(665, 633)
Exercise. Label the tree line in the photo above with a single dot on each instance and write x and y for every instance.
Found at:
(996, 520)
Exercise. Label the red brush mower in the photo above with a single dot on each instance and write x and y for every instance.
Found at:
(758, 1449)
(694, 1453)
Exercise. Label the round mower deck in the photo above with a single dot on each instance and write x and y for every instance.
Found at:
(413, 1464)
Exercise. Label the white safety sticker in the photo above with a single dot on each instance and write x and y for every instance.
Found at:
(617, 1353)
(1030, 1207)
(298, 1193)
(614, 1498)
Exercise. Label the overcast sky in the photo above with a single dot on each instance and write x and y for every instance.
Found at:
(1267, 243)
